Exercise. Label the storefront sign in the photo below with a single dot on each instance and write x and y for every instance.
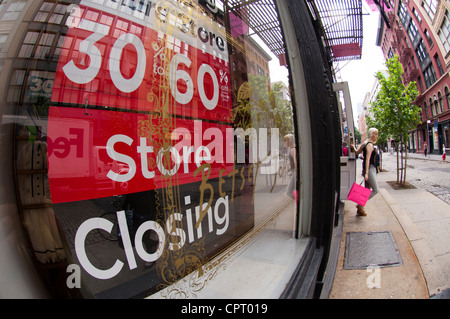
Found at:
(346, 49)
(141, 145)
(105, 153)
(110, 61)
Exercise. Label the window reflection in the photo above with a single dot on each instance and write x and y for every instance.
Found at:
(152, 143)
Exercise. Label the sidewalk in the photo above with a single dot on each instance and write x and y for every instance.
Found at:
(420, 225)
(432, 157)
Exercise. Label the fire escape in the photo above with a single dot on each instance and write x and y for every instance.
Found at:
(402, 48)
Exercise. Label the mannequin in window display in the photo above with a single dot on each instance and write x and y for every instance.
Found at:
(39, 218)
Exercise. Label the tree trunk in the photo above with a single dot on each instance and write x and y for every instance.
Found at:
(406, 165)
(398, 168)
(381, 159)
(401, 162)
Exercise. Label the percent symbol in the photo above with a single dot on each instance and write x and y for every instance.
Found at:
(223, 76)
(159, 52)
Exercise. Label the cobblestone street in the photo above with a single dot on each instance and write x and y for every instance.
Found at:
(430, 174)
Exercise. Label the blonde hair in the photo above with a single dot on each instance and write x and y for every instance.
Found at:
(289, 138)
(370, 133)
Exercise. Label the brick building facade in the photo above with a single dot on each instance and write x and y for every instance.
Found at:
(419, 33)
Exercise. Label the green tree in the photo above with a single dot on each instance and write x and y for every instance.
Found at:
(263, 106)
(358, 136)
(394, 113)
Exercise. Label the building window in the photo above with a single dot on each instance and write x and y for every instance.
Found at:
(412, 31)
(447, 97)
(419, 83)
(26, 51)
(416, 14)
(390, 53)
(444, 32)
(3, 38)
(441, 102)
(430, 7)
(38, 45)
(402, 13)
(431, 107)
(51, 12)
(425, 116)
(438, 62)
(10, 11)
(421, 51)
(430, 75)
(427, 36)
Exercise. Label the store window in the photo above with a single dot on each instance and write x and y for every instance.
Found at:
(155, 149)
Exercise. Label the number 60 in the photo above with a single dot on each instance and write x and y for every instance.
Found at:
(186, 97)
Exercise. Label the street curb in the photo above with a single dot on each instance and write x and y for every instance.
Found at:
(428, 263)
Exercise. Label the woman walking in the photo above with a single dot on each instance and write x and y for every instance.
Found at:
(369, 167)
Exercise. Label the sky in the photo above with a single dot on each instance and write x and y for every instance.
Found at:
(360, 74)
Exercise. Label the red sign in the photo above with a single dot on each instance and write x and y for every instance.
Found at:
(347, 49)
(112, 62)
(98, 153)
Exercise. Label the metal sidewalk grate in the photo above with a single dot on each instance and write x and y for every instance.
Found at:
(369, 249)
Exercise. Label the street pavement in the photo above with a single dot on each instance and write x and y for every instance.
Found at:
(420, 225)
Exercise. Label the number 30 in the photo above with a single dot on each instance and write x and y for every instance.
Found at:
(87, 46)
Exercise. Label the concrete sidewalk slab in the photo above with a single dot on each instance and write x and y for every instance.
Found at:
(425, 220)
(399, 282)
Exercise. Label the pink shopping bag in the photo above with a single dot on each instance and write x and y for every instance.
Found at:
(359, 194)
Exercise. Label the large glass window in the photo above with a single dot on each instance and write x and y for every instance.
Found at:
(412, 30)
(10, 10)
(430, 7)
(447, 97)
(444, 32)
(155, 150)
(439, 64)
(421, 52)
(429, 75)
(402, 12)
(441, 103)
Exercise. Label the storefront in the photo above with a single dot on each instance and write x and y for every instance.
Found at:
(148, 150)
